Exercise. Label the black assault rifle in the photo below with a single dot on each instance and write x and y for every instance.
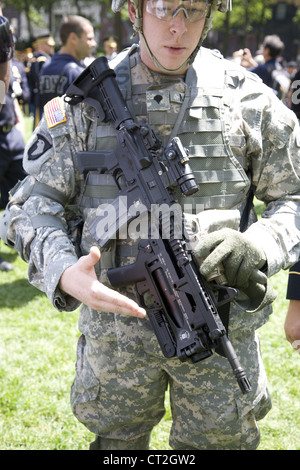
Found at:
(184, 315)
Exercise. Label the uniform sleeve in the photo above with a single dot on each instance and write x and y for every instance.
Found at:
(293, 287)
(52, 185)
(274, 162)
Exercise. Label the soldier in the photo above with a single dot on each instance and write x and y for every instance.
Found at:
(7, 47)
(20, 84)
(12, 144)
(242, 141)
(7, 50)
(43, 49)
(110, 47)
(12, 130)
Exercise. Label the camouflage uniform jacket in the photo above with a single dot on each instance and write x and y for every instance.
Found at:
(263, 135)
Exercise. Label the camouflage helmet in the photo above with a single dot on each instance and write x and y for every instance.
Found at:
(214, 5)
(221, 5)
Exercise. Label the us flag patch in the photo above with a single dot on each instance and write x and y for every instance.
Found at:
(54, 113)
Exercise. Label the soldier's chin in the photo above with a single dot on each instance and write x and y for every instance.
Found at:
(172, 67)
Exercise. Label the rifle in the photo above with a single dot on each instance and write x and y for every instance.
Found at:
(184, 314)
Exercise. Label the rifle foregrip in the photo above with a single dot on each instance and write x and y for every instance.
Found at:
(124, 275)
(163, 333)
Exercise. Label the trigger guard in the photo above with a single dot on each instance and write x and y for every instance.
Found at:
(141, 290)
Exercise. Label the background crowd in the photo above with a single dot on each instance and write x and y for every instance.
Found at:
(38, 74)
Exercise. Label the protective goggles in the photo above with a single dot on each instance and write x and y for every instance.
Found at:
(194, 10)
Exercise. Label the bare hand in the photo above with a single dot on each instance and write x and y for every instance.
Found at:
(292, 324)
(80, 281)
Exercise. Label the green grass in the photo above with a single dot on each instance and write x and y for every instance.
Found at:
(37, 357)
(280, 429)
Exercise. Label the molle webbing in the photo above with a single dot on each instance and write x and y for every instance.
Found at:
(42, 189)
(221, 177)
(200, 123)
(99, 189)
(47, 220)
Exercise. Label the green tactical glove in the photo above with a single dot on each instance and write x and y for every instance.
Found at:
(241, 261)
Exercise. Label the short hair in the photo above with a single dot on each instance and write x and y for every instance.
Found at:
(72, 24)
(275, 45)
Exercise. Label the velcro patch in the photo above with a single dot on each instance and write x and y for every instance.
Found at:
(54, 113)
(40, 146)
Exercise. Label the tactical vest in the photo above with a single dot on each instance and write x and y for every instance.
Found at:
(197, 115)
(194, 110)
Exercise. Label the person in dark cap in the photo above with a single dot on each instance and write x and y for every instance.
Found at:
(43, 49)
(12, 131)
(6, 54)
(272, 48)
(12, 140)
(110, 47)
(291, 68)
(270, 70)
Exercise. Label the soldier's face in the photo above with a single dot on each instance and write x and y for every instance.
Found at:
(171, 42)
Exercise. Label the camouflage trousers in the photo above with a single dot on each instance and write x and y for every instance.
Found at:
(119, 395)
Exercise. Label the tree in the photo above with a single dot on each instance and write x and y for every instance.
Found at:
(32, 9)
(35, 10)
(246, 16)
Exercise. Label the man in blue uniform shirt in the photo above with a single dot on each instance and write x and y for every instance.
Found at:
(6, 54)
(272, 48)
(43, 50)
(19, 95)
(77, 37)
(11, 139)
(11, 144)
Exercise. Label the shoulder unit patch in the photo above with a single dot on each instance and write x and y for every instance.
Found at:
(39, 147)
(54, 112)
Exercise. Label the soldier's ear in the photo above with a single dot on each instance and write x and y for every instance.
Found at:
(73, 38)
(131, 11)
